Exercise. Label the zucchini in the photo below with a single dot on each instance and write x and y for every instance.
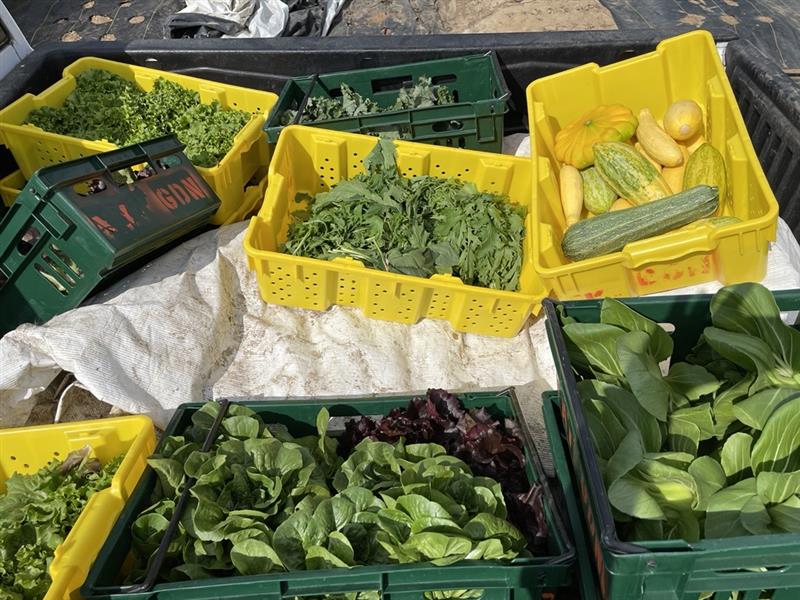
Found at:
(629, 173)
(610, 232)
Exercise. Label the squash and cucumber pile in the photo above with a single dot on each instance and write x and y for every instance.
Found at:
(635, 177)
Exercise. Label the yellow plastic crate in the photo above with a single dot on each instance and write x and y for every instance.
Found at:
(10, 186)
(34, 148)
(310, 160)
(686, 66)
(27, 449)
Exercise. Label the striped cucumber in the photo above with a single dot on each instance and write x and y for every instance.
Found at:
(610, 232)
(629, 173)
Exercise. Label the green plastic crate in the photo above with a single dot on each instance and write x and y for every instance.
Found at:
(475, 120)
(520, 579)
(741, 568)
(551, 411)
(58, 241)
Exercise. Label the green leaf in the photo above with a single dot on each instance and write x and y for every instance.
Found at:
(699, 415)
(241, 427)
(322, 558)
(436, 546)
(786, 516)
(605, 429)
(710, 478)
(627, 410)
(614, 312)
(597, 344)
(750, 308)
(683, 436)
(642, 374)
(254, 557)
(750, 353)
(630, 496)
(778, 446)
(170, 474)
(289, 540)
(485, 526)
(774, 488)
(629, 453)
(691, 381)
(755, 517)
(417, 507)
(724, 402)
(755, 410)
(340, 546)
(725, 508)
(674, 488)
(395, 523)
(735, 457)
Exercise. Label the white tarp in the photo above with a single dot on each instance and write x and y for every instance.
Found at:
(191, 326)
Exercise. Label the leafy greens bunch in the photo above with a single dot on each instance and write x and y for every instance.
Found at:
(104, 106)
(709, 449)
(489, 447)
(264, 501)
(37, 513)
(417, 226)
(353, 104)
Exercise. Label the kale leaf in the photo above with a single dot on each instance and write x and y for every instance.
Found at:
(353, 104)
(417, 226)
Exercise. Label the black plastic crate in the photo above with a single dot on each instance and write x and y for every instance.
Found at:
(770, 104)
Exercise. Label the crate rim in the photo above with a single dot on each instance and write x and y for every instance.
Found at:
(607, 527)
(556, 520)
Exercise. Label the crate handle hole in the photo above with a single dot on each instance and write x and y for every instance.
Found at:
(28, 240)
(448, 126)
(50, 279)
(58, 269)
(391, 83)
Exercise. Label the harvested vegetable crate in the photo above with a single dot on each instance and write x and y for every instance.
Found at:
(683, 67)
(521, 578)
(474, 121)
(27, 449)
(310, 160)
(34, 148)
(10, 187)
(62, 238)
(663, 569)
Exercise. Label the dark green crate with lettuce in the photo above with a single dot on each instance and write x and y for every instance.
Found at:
(436, 496)
(686, 445)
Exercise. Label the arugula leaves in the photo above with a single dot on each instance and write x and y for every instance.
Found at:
(37, 513)
(104, 106)
(265, 501)
(353, 104)
(712, 447)
(419, 226)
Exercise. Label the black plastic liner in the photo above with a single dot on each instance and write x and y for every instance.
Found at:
(772, 26)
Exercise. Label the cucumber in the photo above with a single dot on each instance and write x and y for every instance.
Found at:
(610, 232)
(629, 173)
